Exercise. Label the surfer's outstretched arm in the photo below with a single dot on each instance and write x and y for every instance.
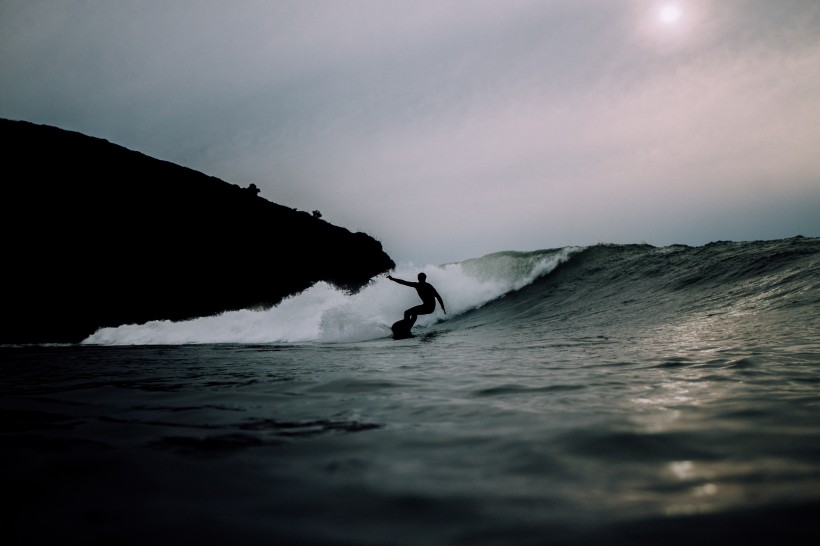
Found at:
(405, 283)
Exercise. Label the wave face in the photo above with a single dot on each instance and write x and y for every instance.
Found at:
(625, 287)
(598, 289)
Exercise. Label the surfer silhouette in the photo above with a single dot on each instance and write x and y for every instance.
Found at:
(428, 297)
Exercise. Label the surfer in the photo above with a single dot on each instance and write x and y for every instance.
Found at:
(428, 296)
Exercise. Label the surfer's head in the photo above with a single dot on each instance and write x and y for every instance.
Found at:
(422, 277)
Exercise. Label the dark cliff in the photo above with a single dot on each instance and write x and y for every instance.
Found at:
(98, 235)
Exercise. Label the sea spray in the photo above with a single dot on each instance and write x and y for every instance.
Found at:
(324, 313)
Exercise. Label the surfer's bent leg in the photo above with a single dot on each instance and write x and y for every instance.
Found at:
(411, 314)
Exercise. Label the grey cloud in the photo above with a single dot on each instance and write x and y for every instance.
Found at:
(448, 128)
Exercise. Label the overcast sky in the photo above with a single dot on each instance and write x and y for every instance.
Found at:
(449, 129)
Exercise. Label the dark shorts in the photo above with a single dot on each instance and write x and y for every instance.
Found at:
(423, 309)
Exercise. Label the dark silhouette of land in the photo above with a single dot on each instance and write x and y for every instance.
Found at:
(98, 235)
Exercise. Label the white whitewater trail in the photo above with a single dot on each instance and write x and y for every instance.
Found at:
(323, 313)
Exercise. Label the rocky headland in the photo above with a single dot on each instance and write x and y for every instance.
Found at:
(97, 235)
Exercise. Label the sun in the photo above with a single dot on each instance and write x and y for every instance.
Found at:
(670, 13)
(669, 25)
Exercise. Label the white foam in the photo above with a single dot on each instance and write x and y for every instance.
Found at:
(324, 313)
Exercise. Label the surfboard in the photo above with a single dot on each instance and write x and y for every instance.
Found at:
(401, 329)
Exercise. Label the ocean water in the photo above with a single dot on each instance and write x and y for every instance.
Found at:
(615, 394)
